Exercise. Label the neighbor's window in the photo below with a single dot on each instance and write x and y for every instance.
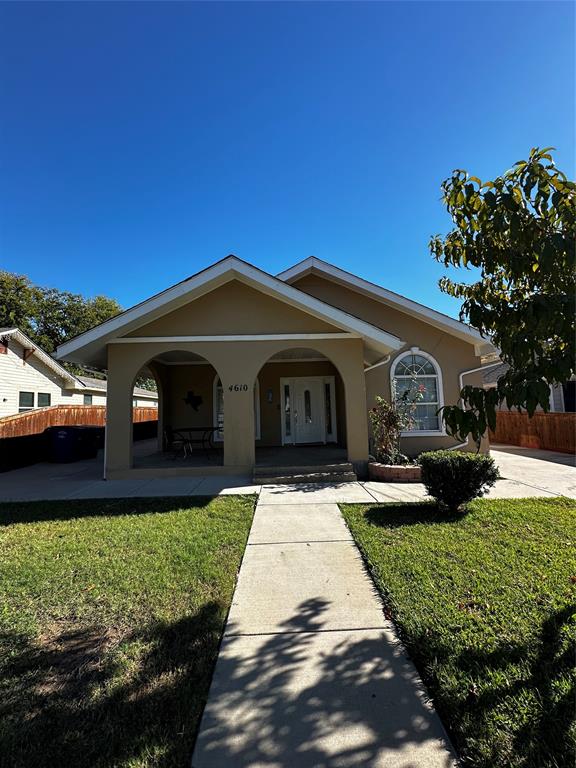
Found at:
(414, 371)
(87, 399)
(44, 399)
(25, 401)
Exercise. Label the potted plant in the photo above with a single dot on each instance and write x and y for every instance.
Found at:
(388, 420)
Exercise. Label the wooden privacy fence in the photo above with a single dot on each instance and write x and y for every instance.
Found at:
(35, 422)
(551, 431)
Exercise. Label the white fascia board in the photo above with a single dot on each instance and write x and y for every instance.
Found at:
(48, 361)
(236, 337)
(432, 316)
(222, 272)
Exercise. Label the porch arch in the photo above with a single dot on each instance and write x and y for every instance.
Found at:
(125, 365)
(237, 363)
(281, 377)
(346, 356)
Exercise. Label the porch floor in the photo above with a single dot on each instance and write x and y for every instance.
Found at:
(147, 455)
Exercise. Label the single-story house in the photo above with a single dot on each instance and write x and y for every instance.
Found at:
(30, 378)
(562, 396)
(294, 359)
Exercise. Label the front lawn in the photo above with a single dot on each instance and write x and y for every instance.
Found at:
(485, 605)
(110, 617)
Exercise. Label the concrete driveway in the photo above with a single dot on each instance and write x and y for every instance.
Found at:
(528, 469)
(83, 480)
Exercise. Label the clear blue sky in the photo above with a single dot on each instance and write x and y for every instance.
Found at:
(140, 142)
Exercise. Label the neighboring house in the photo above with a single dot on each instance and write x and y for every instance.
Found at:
(30, 378)
(141, 398)
(562, 396)
(294, 359)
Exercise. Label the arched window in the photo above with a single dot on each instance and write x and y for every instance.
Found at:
(417, 372)
(218, 409)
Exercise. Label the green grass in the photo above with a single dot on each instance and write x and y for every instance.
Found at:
(110, 617)
(485, 605)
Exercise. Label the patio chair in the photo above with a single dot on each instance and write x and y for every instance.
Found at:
(175, 444)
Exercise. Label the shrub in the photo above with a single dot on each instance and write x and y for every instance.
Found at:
(454, 478)
(389, 419)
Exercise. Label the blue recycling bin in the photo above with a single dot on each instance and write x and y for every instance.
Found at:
(67, 444)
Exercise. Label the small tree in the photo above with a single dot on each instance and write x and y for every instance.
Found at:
(520, 231)
(389, 419)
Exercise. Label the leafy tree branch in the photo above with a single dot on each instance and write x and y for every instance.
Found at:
(520, 231)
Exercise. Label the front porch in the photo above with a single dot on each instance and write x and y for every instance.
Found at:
(296, 412)
(270, 462)
(253, 399)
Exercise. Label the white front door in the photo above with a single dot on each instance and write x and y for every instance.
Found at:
(309, 411)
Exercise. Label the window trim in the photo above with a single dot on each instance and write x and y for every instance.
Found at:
(441, 431)
(26, 408)
(85, 395)
(46, 394)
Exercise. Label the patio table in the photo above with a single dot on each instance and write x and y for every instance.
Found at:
(199, 436)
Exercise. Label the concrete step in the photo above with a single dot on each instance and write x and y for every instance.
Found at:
(302, 469)
(305, 475)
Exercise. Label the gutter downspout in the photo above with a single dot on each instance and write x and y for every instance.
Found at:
(461, 382)
(379, 363)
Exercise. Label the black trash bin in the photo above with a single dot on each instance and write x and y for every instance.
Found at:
(66, 444)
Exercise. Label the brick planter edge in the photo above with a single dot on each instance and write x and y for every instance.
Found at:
(394, 473)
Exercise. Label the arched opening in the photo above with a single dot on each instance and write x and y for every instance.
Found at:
(302, 410)
(185, 431)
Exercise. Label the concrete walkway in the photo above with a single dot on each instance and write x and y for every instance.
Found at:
(310, 672)
(527, 473)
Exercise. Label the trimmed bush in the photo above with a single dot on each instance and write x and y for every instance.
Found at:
(454, 478)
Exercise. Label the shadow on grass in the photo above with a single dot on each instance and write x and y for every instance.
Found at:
(410, 513)
(533, 701)
(67, 700)
(78, 698)
(41, 511)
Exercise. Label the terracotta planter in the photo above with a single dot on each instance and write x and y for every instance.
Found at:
(394, 473)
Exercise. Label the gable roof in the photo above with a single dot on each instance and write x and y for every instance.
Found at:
(229, 268)
(491, 376)
(101, 385)
(313, 265)
(49, 362)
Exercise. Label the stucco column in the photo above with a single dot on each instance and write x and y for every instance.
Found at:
(237, 368)
(356, 415)
(118, 413)
(239, 448)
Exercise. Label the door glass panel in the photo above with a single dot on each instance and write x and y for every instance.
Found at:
(328, 402)
(287, 412)
(307, 407)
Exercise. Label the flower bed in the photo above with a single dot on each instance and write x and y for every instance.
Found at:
(394, 473)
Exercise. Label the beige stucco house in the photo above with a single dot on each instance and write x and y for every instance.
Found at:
(291, 360)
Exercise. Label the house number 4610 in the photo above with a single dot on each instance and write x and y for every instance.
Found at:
(238, 387)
